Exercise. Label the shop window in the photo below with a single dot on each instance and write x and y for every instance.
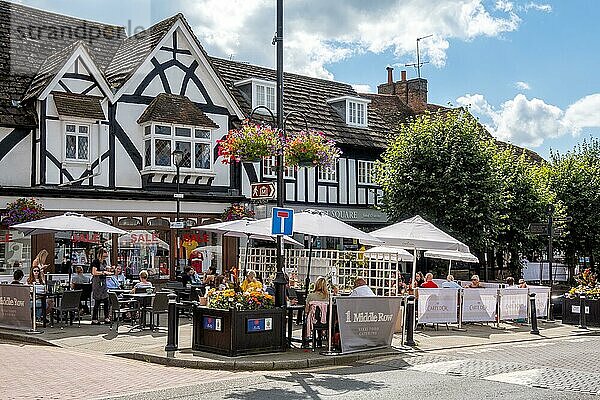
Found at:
(158, 222)
(129, 221)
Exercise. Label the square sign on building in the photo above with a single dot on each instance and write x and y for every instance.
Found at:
(282, 221)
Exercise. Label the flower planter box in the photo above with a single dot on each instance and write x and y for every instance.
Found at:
(570, 312)
(234, 333)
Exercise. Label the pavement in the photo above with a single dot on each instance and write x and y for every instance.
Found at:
(148, 346)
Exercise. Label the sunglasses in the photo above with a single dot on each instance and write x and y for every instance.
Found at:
(36, 270)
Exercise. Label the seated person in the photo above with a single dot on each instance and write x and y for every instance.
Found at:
(117, 280)
(143, 283)
(79, 278)
(450, 283)
(361, 288)
(320, 294)
(475, 284)
(186, 277)
(17, 276)
(209, 276)
(522, 283)
(250, 282)
(221, 282)
(429, 283)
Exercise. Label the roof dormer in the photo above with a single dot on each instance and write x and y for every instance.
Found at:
(259, 92)
(352, 109)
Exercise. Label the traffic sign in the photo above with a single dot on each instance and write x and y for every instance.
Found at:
(177, 225)
(566, 219)
(263, 191)
(538, 228)
(558, 231)
(282, 221)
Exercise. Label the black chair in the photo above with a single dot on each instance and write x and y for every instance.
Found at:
(86, 294)
(319, 328)
(68, 304)
(120, 308)
(160, 305)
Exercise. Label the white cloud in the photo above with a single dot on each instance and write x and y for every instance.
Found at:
(362, 88)
(537, 7)
(522, 85)
(328, 31)
(529, 122)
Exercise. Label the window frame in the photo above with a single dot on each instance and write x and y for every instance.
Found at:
(268, 163)
(328, 175)
(173, 137)
(367, 177)
(77, 135)
(361, 108)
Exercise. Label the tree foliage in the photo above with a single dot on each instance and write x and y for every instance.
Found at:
(441, 167)
(575, 179)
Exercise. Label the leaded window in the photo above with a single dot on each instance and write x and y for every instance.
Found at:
(77, 139)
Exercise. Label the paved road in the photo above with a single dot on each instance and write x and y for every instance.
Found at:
(551, 369)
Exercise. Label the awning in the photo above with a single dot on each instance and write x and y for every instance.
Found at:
(79, 106)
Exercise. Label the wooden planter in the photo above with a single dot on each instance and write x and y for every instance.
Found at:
(571, 309)
(234, 333)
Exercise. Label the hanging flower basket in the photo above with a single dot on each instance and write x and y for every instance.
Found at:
(22, 210)
(310, 149)
(236, 211)
(250, 143)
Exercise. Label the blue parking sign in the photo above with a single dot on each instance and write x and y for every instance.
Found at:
(282, 221)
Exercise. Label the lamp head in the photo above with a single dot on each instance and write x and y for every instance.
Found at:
(177, 157)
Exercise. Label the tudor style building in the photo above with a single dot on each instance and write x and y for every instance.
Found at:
(89, 119)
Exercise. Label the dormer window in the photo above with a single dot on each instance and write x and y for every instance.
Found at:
(260, 92)
(352, 109)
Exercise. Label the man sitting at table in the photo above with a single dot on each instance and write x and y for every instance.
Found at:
(17, 276)
(361, 288)
(143, 283)
(79, 278)
(429, 283)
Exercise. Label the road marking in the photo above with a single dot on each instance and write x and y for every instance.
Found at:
(524, 378)
(442, 367)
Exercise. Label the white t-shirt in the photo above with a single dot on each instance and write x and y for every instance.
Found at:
(363, 290)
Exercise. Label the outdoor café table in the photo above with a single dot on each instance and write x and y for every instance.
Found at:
(143, 301)
(290, 321)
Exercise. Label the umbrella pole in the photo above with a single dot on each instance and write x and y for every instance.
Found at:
(414, 268)
(307, 280)
(70, 260)
(449, 267)
(246, 255)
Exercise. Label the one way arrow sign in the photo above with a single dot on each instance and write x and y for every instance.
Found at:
(263, 191)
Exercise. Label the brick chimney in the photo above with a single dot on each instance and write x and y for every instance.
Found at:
(412, 91)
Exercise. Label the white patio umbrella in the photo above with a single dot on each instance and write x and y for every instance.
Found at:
(402, 254)
(244, 228)
(452, 255)
(418, 234)
(68, 222)
(315, 223)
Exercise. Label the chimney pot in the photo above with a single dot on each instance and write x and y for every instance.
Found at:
(390, 76)
(403, 74)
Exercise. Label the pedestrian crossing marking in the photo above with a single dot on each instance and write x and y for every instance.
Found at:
(523, 378)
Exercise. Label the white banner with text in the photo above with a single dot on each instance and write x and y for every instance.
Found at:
(479, 305)
(513, 303)
(437, 306)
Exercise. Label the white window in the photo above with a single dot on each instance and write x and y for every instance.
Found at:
(356, 113)
(270, 169)
(77, 142)
(265, 96)
(327, 174)
(365, 172)
(160, 140)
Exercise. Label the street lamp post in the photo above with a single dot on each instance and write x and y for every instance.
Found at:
(177, 160)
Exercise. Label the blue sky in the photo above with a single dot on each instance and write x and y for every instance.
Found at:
(528, 69)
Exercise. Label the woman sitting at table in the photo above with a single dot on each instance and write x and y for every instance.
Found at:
(116, 281)
(250, 282)
(79, 278)
(100, 270)
(36, 278)
(143, 283)
(319, 296)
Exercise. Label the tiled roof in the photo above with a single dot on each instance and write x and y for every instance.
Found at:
(391, 108)
(308, 96)
(78, 105)
(29, 37)
(134, 50)
(175, 109)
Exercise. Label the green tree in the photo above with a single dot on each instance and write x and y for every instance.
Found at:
(524, 197)
(575, 177)
(441, 167)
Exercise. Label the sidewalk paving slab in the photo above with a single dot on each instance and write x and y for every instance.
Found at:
(148, 346)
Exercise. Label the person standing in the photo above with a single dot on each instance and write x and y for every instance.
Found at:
(100, 271)
(40, 261)
(17, 276)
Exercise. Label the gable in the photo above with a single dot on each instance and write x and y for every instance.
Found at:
(178, 66)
